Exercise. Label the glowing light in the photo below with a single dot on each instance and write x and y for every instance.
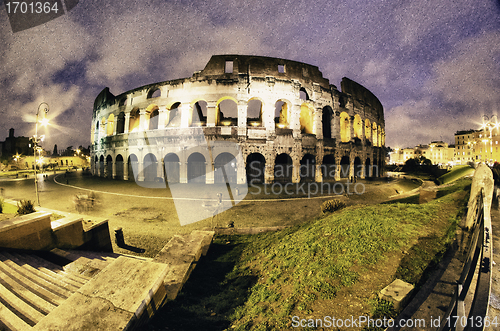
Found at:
(254, 123)
(44, 121)
(226, 123)
(280, 125)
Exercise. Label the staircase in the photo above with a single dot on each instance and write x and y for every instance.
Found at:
(32, 287)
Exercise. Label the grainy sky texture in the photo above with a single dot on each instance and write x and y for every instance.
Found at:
(434, 65)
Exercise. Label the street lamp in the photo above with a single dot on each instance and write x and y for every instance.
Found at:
(16, 158)
(36, 139)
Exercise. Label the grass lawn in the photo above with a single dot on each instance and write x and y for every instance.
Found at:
(334, 264)
(455, 173)
(9, 209)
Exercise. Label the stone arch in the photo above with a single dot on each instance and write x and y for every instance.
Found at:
(109, 166)
(152, 115)
(345, 127)
(150, 167)
(119, 167)
(110, 125)
(326, 122)
(306, 118)
(368, 130)
(135, 120)
(155, 92)
(198, 114)
(307, 170)
(174, 117)
(101, 166)
(226, 112)
(120, 123)
(225, 168)
(345, 167)
(255, 168)
(358, 167)
(303, 95)
(196, 166)
(358, 127)
(367, 167)
(328, 167)
(282, 113)
(283, 168)
(255, 117)
(172, 168)
(132, 163)
(374, 134)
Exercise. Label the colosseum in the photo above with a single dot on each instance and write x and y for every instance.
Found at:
(242, 118)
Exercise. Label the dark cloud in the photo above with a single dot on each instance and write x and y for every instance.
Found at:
(433, 65)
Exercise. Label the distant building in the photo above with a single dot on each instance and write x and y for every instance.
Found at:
(464, 146)
(478, 145)
(438, 152)
(15, 145)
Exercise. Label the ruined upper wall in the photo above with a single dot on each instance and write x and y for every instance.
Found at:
(362, 94)
(264, 66)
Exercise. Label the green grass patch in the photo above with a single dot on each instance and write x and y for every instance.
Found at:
(259, 282)
(455, 173)
(9, 209)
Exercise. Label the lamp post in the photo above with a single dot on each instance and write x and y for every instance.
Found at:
(35, 143)
(16, 158)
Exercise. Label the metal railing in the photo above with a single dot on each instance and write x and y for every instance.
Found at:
(479, 251)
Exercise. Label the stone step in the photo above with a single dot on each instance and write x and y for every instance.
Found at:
(32, 298)
(10, 321)
(118, 297)
(47, 275)
(51, 269)
(36, 276)
(18, 306)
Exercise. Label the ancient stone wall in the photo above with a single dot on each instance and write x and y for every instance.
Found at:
(276, 113)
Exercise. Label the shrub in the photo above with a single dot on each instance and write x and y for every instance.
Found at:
(25, 207)
(332, 205)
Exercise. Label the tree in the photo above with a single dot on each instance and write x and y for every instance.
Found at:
(54, 153)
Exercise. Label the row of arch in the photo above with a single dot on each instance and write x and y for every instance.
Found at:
(226, 114)
(226, 168)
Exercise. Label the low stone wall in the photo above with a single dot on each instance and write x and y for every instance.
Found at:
(30, 231)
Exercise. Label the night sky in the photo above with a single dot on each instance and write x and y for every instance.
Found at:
(434, 65)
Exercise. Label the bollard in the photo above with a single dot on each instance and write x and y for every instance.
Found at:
(120, 241)
(237, 191)
(219, 198)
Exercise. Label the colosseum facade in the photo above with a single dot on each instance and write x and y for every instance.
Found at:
(255, 118)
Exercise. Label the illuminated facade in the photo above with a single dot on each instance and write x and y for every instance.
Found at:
(279, 113)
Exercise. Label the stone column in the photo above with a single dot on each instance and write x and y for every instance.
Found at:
(125, 169)
(127, 122)
(242, 118)
(209, 172)
(211, 113)
(351, 126)
(113, 169)
(296, 170)
(140, 170)
(183, 172)
(162, 118)
(317, 123)
(185, 109)
(143, 123)
(338, 168)
(241, 174)
(295, 120)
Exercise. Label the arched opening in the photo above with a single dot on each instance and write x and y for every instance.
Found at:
(344, 167)
(150, 167)
(255, 168)
(154, 93)
(196, 168)
(374, 134)
(374, 168)
(122, 102)
(110, 125)
(172, 168)
(119, 167)
(282, 114)
(345, 127)
(199, 114)
(153, 117)
(96, 132)
(306, 123)
(307, 168)
(225, 168)
(132, 164)
(328, 167)
(303, 94)
(120, 123)
(326, 122)
(109, 166)
(96, 166)
(101, 166)
(227, 113)
(358, 127)
(254, 113)
(283, 168)
(379, 136)
(367, 167)
(368, 130)
(174, 118)
(358, 168)
(135, 119)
